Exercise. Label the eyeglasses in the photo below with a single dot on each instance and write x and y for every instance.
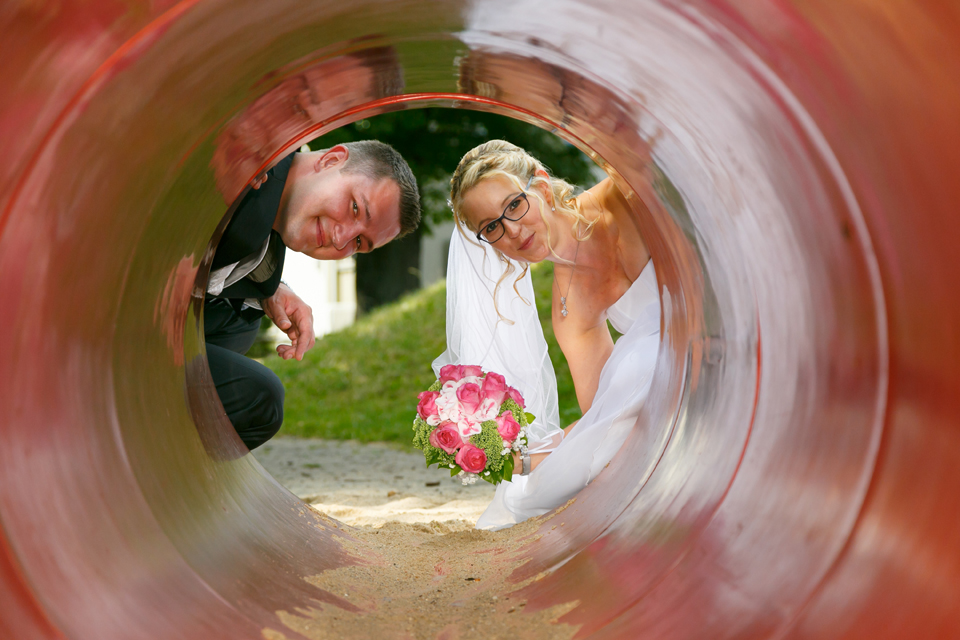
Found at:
(516, 209)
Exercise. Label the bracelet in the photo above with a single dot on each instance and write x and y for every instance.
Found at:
(525, 469)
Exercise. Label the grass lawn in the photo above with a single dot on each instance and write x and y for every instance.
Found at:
(362, 383)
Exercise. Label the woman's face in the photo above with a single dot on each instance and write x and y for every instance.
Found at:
(523, 240)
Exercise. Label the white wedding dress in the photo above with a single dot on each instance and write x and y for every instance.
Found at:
(518, 351)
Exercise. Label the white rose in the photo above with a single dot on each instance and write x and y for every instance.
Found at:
(487, 410)
(467, 428)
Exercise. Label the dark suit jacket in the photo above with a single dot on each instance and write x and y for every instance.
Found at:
(251, 224)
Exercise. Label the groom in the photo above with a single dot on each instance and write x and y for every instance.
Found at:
(328, 204)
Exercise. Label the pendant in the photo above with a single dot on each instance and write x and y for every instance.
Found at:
(563, 302)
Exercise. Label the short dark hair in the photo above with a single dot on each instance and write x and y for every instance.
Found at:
(378, 160)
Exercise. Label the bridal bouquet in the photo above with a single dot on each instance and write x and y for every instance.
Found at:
(471, 422)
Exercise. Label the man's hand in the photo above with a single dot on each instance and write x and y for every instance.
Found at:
(257, 182)
(294, 317)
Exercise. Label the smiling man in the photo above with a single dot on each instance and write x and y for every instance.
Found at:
(328, 204)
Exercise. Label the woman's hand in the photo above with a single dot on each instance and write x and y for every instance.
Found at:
(537, 458)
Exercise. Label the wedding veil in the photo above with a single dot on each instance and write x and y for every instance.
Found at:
(512, 345)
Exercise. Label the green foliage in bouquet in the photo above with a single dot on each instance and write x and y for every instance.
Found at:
(499, 467)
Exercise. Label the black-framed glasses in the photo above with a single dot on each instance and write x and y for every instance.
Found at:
(516, 209)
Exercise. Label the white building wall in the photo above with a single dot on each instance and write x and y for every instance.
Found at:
(433, 253)
(328, 286)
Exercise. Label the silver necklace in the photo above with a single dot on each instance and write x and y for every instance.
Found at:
(563, 297)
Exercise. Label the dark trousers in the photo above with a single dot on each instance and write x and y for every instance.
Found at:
(251, 394)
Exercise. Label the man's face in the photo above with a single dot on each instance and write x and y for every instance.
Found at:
(331, 215)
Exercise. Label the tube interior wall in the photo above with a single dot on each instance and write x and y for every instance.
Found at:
(790, 166)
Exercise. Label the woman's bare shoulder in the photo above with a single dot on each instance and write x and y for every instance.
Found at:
(622, 216)
(601, 196)
(605, 201)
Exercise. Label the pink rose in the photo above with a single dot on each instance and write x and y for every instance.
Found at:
(471, 459)
(446, 437)
(469, 397)
(494, 387)
(507, 427)
(472, 370)
(450, 373)
(514, 395)
(428, 404)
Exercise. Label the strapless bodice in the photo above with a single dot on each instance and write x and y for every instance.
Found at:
(640, 304)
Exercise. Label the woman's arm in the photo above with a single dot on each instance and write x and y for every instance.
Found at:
(586, 353)
(537, 458)
(586, 350)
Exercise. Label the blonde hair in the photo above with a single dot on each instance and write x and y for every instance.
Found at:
(501, 158)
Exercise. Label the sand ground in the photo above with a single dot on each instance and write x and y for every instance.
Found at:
(427, 573)
(369, 485)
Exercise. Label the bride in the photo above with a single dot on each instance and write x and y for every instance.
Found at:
(511, 213)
